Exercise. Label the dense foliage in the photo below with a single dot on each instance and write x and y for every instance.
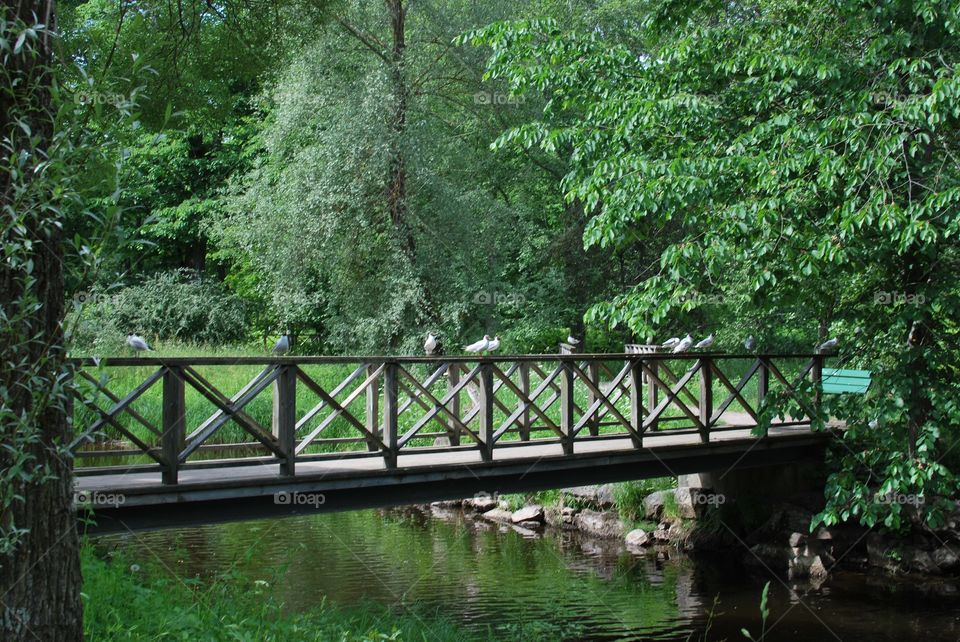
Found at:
(806, 159)
(776, 168)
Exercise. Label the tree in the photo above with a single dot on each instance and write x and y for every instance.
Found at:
(39, 556)
(808, 155)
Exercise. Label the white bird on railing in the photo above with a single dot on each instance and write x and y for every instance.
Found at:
(430, 345)
(750, 343)
(829, 344)
(685, 343)
(669, 343)
(282, 346)
(479, 346)
(705, 343)
(494, 344)
(572, 340)
(138, 344)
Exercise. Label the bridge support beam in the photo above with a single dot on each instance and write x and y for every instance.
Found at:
(486, 412)
(174, 423)
(390, 415)
(566, 408)
(285, 417)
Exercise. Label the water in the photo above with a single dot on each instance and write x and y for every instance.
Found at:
(490, 578)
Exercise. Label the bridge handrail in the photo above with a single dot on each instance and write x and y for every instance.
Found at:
(481, 402)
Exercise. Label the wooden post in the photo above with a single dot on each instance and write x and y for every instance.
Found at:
(486, 412)
(390, 415)
(593, 372)
(652, 391)
(636, 401)
(816, 376)
(763, 386)
(525, 388)
(285, 417)
(566, 408)
(174, 423)
(453, 380)
(706, 397)
(373, 407)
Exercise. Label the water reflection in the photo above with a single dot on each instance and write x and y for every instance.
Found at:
(493, 578)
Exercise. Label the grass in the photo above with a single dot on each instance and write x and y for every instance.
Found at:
(629, 497)
(230, 379)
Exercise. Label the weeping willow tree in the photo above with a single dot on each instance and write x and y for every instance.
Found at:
(376, 211)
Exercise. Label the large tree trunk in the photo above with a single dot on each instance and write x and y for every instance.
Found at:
(39, 557)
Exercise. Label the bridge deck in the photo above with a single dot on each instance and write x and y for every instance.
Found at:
(140, 500)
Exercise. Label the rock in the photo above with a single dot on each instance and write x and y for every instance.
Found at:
(448, 504)
(797, 539)
(498, 515)
(559, 516)
(881, 554)
(481, 503)
(899, 557)
(600, 495)
(919, 560)
(687, 505)
(801, 566)
(606, 525)
(529, 525)
(638, 538)
(441, 441)
(532, 513)
(653, 503)
(661, 535)
(946, 559)
(529, 533)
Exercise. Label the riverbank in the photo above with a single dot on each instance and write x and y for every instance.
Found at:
(657, 516)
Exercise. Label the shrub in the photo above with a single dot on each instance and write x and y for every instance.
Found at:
(177, 305)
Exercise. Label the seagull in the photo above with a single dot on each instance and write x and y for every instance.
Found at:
(430, 345)
(669, 343)
(479, 346)
(572, 340)
(829, 344)
(493, 345)
(705, 343)
(282, 346)
(138, 344)
(683, 345)
(750, 343)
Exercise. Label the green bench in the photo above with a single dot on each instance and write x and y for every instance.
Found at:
(837, 382)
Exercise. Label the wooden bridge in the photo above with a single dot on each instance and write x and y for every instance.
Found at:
(173, 441)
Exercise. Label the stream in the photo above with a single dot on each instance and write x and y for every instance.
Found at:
(562, 585)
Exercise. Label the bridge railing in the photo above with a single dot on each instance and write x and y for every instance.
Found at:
(170, 414)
